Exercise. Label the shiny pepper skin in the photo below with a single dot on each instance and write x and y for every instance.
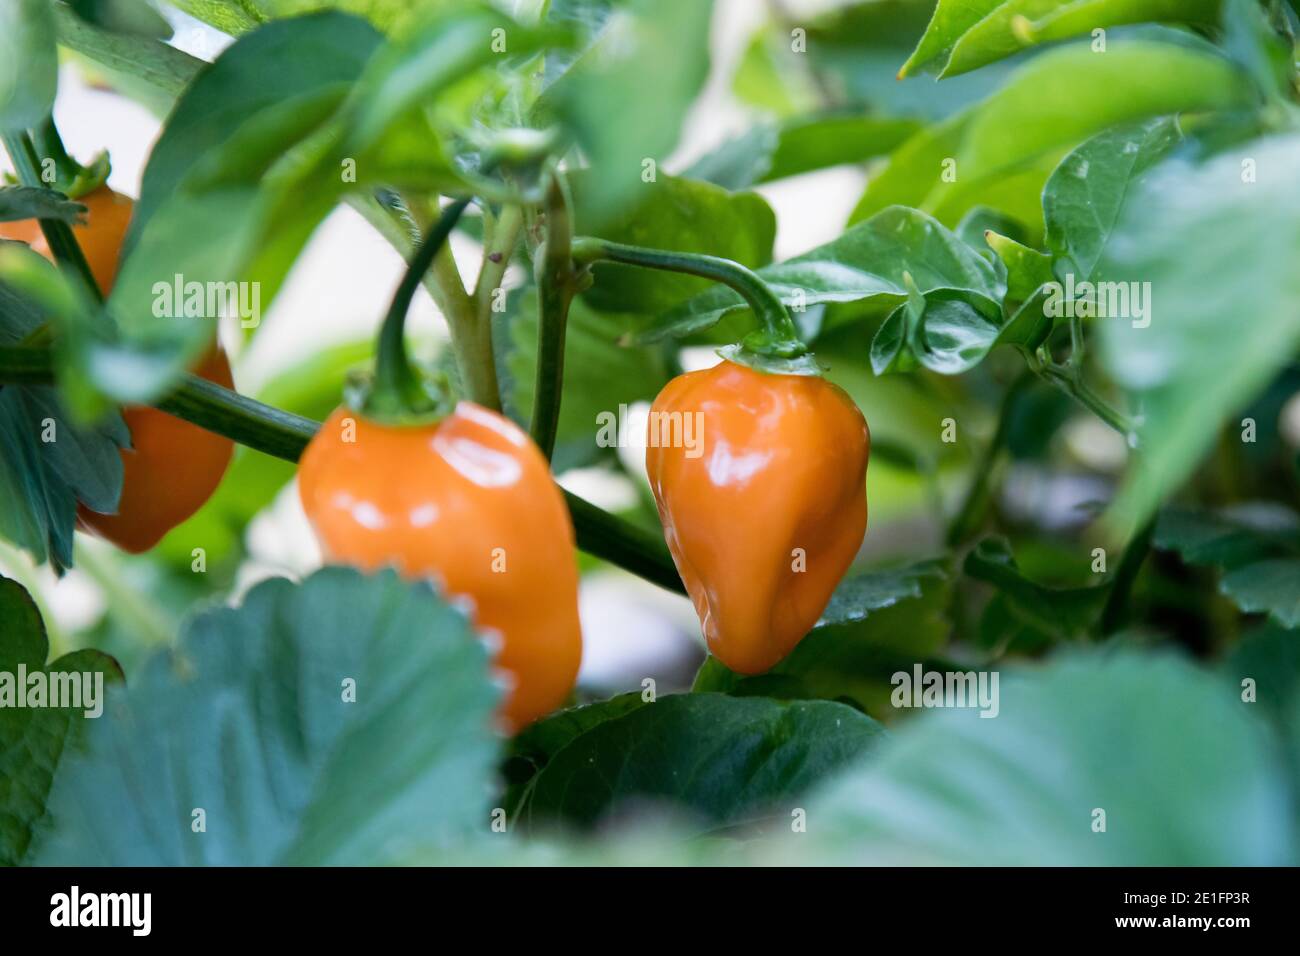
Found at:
(469, 502)
(775, 482)
(172, 467)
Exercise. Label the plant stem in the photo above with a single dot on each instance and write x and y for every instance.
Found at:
(555, 290)
(1121, 589)
(57, 233)
(398, 386)
(285, 435)
(777, 339)
(1070, 381)
(976, 501)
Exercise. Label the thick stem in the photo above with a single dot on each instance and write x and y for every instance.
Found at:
(778, 339)
(555, 289)
(285, 435)
(397, 386)
(57, 233)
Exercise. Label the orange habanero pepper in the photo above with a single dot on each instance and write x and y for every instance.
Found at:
(764, 516)
(467, 500)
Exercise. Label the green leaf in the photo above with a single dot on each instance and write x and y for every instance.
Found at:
(29, 64)
(1270, 657)
(160, 65)
(49, 459)
(1250, 40)
(1184, 773)
(1065, 96)
(33, 740)
(1027, 269)
(1017, 24)
(799, 145)
(951, 20)
(715, 759)
(658, 45)
(32, 202)
(1189, 365)
(1267, 587)
(229, 16)
(1056, 613)
(676, 214)
(534, 746)
(947, 331)
(1083, 198)
(1230, 537)
(1000, 153)
(233, 189)
(248, 718)
(866, 264)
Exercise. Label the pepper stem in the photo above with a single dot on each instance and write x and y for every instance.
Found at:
(777, 343)
(398, 388)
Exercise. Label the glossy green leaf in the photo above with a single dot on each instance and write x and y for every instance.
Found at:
(709, 758)
(1083, 198)
(951, 20)
(251, 719)
(1184, 774)
(865, 264)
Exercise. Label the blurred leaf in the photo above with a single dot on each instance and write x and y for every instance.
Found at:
(865, 264)
(1250, 39)
(34, 739)
(1056, 613)
(29, 66)
(1016, 24)
(1083, 198)
(1189, 365)
(31, 202)
(131, 17)
(721, 760)
(229, 16)
(1269, 656)
(48, 460)
(231, 192)
(1267, 587)
(799, 145)
(657, 45)
(1184, 773)
(677, 214)
(248, 719)
(987, 155)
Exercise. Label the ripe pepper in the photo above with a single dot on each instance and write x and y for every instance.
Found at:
(100, 236)
(468, 501)
(765, 513)
(172, 467)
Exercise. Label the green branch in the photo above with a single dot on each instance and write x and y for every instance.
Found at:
(284, 435)
(555, 290)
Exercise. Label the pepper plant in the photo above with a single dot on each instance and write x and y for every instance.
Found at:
(1063, 298)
